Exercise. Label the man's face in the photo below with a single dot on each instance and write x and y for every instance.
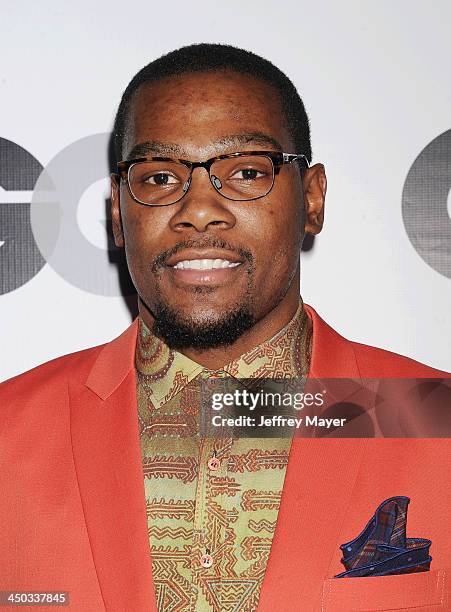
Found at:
(196, 117)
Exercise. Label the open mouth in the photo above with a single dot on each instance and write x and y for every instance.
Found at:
(205, 264)
(189, 269)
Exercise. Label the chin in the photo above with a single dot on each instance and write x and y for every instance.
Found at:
(207, 329)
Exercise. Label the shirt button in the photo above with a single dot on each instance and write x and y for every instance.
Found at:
(214, 464)
(206, 561)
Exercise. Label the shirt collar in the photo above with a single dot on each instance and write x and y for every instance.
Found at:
(165, 371)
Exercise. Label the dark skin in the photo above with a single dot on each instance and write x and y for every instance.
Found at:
(206, 115)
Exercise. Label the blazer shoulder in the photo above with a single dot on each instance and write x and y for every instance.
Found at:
(381, 363)
(336, 356)
(49, 377)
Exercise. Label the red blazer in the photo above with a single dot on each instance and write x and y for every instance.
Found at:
(72, 508)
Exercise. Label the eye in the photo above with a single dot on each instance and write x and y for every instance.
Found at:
(247, 174)
(161, 179)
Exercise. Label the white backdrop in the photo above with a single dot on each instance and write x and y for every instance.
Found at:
(375, 81)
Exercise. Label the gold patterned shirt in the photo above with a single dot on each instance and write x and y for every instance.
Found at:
(212, 503)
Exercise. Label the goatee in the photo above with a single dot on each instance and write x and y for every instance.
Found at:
(179, 333)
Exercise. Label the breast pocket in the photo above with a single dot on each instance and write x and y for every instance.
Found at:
(423, 591)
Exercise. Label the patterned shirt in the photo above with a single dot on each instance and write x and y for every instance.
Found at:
(212, 503)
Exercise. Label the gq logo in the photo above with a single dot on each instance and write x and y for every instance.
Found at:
(424, 204)
(20, 258)
(47, 229)
(39, 222)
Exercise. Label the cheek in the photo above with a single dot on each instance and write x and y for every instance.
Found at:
(143, 229)
(275, 233)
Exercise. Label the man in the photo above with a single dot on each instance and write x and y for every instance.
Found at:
(110, 492)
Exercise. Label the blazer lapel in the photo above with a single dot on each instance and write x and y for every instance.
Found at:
(107, 458)
(320, 476)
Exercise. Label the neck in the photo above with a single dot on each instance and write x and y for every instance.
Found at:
(266, 327)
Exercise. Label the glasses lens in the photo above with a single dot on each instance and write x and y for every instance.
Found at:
(243, 177)
(158, 182)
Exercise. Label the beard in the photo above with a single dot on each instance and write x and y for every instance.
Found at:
(179, 332)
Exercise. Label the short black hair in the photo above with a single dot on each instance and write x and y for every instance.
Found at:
(205, 57)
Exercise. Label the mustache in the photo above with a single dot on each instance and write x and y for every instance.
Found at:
(208, 242)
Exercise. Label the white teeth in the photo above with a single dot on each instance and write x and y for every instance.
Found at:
(204, 264)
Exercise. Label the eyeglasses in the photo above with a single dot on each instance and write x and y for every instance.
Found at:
(160, 181)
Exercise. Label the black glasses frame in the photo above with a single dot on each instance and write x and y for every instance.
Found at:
(278, 159)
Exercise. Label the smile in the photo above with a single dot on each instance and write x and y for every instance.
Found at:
(205, 264)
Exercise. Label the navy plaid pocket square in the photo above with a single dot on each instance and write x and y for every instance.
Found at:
(382, 548)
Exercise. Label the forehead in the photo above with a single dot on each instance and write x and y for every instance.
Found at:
(197, 111)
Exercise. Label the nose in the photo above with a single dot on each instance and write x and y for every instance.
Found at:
(202, 207)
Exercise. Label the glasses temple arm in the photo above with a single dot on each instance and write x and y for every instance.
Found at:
(288, 158)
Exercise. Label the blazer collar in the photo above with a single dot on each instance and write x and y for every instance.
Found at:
(332, 356)
(115, 361)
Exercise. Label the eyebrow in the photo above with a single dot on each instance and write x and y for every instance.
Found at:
(227, 142)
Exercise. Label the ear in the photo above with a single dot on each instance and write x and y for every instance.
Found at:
(116, 211)
(315, 187)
